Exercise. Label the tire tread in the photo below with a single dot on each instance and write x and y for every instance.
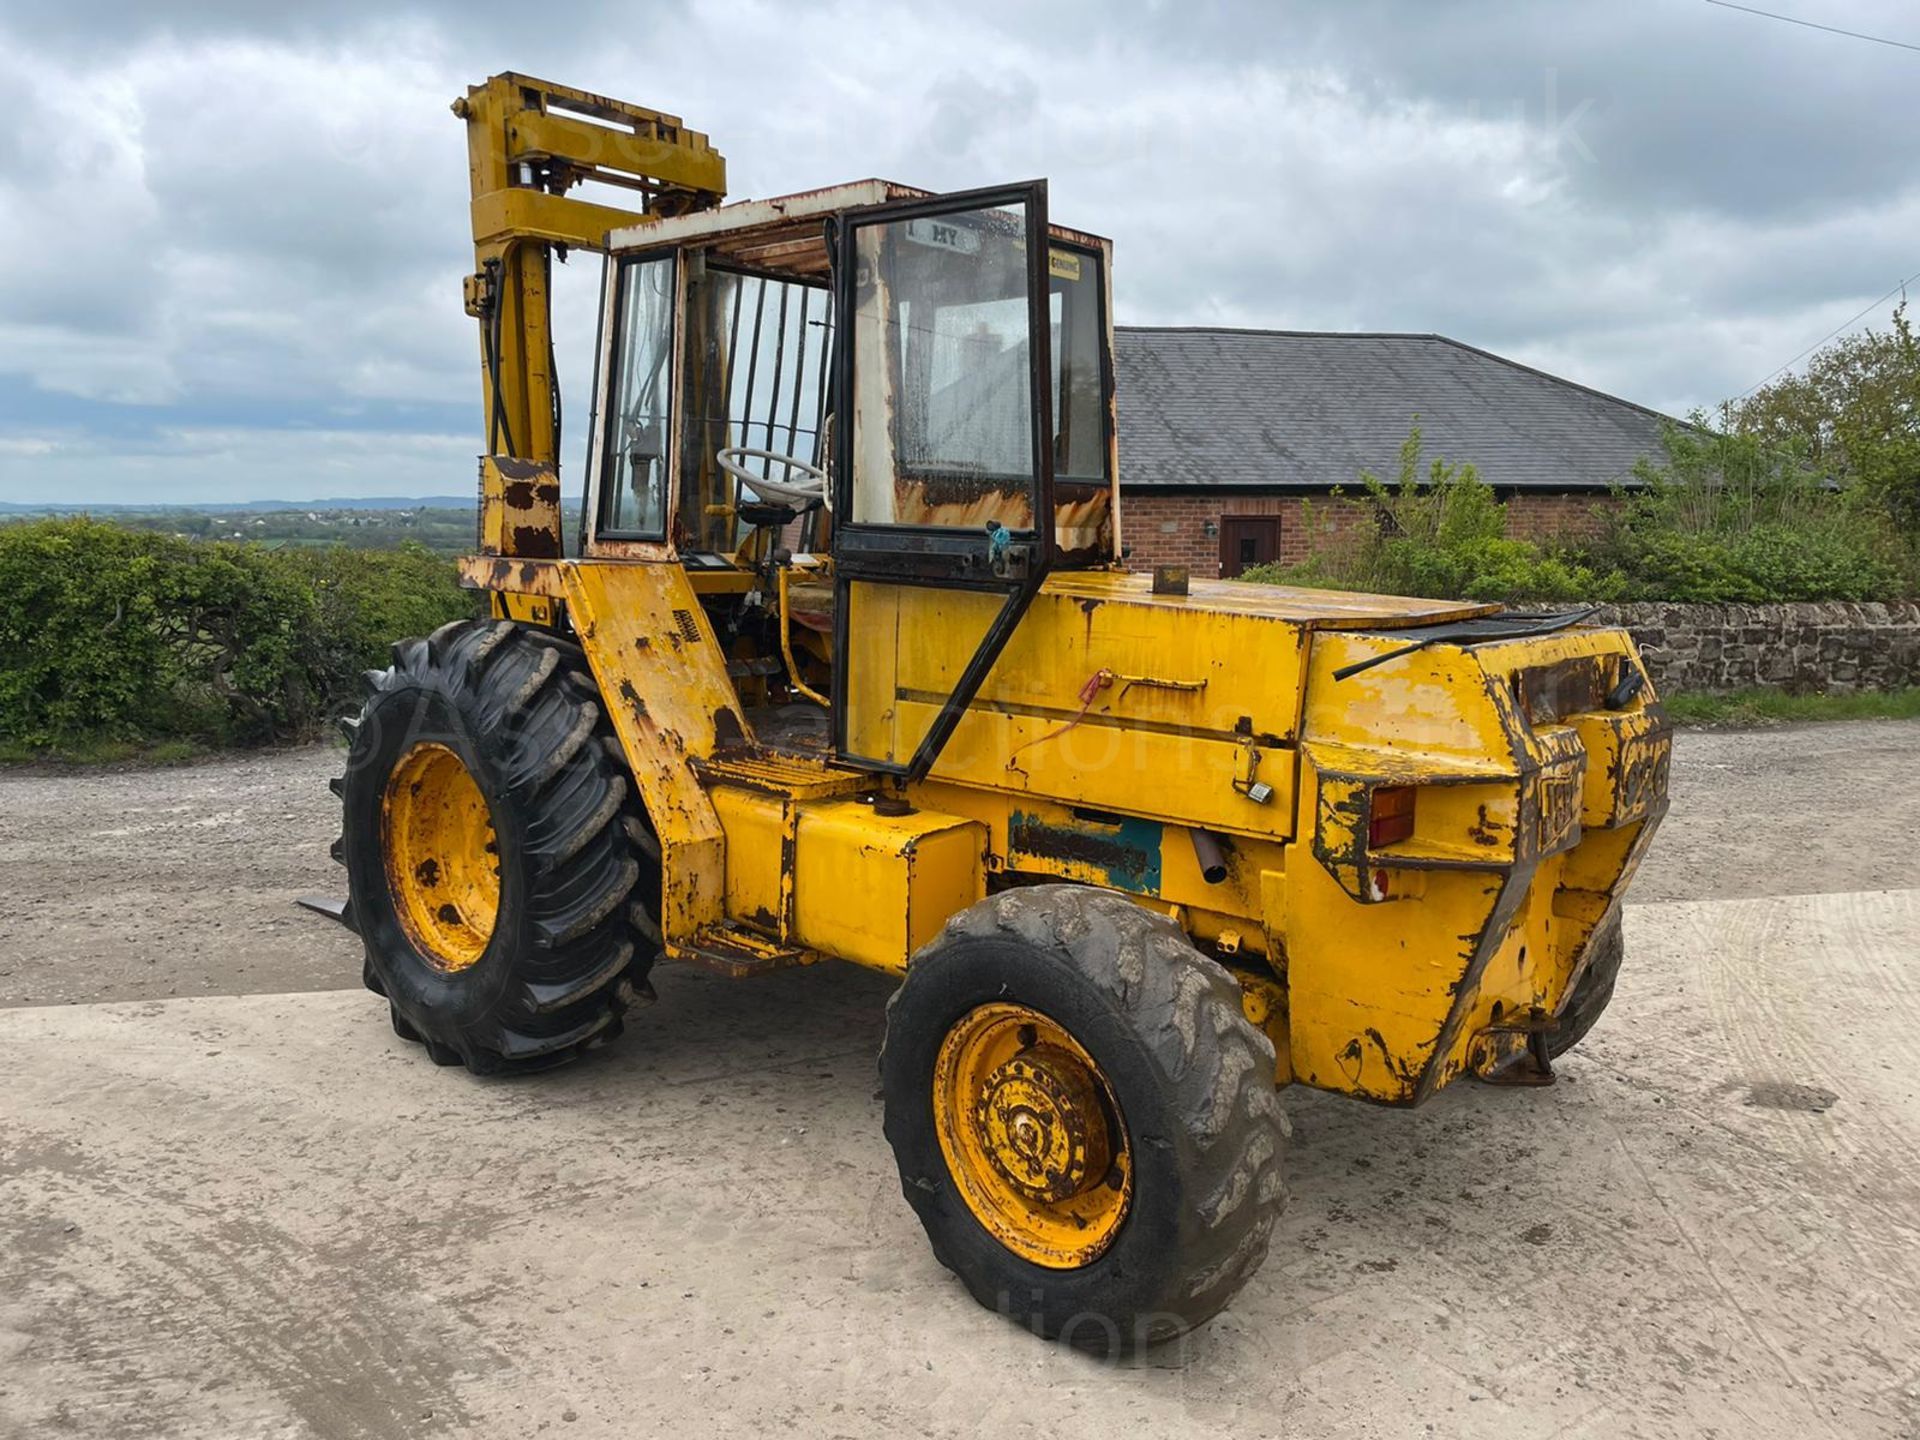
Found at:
(531, 698)
(1218, 1067)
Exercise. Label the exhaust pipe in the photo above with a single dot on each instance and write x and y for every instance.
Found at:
(1206, 849)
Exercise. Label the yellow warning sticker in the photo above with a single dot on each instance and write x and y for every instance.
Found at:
(1063, 264)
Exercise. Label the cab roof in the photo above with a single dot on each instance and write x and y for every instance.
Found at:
(784, 233)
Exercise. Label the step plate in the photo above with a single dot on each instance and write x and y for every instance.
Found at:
(738, 954)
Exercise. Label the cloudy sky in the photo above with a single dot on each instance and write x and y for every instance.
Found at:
(234, 233)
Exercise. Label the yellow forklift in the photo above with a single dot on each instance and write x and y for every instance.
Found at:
(848, 666)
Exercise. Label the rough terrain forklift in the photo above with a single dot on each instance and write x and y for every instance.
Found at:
(848, 666)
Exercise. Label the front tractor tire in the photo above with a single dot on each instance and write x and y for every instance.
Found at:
(1084, 1119)
(500, 870)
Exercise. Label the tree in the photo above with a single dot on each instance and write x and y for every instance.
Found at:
(1854, 414)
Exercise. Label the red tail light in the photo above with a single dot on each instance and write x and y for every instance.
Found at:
(1390, 816)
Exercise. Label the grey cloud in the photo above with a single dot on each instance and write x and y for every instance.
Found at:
(1686, 105)
(268, 203)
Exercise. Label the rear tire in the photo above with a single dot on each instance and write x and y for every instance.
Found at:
(555, 846)
(1193, 1108)
(1592, 993)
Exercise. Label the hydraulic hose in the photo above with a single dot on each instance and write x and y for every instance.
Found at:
(786, 648)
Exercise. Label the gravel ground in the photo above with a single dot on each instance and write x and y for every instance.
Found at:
(1792, 810)
(142, 884)
(145, 884)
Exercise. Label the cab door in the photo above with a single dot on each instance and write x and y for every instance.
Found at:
(943, 460)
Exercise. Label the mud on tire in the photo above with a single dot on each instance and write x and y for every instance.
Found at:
(575, 931)
(1193, 1079)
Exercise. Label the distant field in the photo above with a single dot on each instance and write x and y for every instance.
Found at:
(447, 530)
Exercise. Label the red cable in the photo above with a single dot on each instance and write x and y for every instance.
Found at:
(1096, 682)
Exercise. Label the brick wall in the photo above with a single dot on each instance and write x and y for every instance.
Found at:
(1168, 530)
(1558, 517)
(1172, 529)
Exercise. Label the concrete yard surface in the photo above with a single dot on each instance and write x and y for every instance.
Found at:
(265, 1215)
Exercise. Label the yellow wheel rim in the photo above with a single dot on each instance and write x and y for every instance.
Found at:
(1032, 1135)
(443, 864)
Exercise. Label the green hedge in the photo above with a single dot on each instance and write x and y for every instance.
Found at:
(1717, 518)
(114, 634)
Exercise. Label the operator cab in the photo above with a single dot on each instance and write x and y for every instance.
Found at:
(902, 382)
(730, 312)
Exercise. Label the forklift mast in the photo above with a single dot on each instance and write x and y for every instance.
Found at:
(529, 143)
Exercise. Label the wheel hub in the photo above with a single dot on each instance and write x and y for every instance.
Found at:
(1032, 1135)
(443, 861)
(1042, 1123)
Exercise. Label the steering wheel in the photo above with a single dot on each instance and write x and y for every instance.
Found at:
(779, 492)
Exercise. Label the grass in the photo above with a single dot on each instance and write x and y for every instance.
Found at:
(1777, 707)
(103, 752)
(172, 752)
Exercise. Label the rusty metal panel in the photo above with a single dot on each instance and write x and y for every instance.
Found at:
(1311, 609)
(1263, 1000)
(519, 508)
(513, 576)
(759, 830)
(1628, 753)
(874, 888)
(503, 216)
(666, 152)
(1415, 960)
(1105, 697)
(663, 680)
(512, 119)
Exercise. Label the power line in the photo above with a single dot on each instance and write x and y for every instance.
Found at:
(1830, 335)
(1814, 25)
(1897, 289)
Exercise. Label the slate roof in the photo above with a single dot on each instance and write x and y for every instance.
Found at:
(1205, 408)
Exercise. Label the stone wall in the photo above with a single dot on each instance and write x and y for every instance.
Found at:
(1831, 646)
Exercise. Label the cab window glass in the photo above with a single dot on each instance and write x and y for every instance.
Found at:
(1079, 420)
(633, 477)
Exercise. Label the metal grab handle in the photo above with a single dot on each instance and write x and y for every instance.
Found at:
(1154, 682)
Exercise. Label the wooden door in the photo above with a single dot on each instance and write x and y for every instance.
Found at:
(1246, 541)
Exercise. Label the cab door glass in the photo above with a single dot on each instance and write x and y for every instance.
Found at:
(942, 412)
(633, 485)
